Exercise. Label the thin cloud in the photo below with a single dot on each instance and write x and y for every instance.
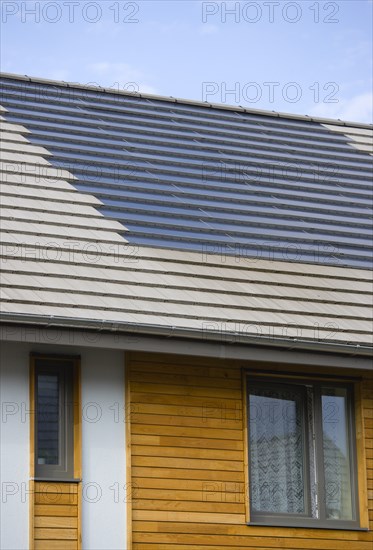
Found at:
(359, 108)
(208, 29)
(120, 76)
(58, 74)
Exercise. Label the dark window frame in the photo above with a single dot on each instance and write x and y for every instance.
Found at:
(254, 380)
(63, 367)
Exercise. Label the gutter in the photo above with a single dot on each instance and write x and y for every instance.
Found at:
(207, 336)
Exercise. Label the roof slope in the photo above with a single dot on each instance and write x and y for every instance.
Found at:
(188, 176)
(62, 258)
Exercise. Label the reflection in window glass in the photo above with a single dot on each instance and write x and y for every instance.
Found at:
(48, 419)
(336, 454)
(276, 451)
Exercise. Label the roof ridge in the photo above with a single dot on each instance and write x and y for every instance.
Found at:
(198, 103)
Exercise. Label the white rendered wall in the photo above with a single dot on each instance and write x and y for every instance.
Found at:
(103, 445)
(104, 450)
(14, 446)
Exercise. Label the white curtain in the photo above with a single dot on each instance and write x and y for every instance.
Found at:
(276, 452)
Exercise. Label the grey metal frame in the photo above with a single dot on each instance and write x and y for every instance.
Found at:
(307, 521)
(63, 368)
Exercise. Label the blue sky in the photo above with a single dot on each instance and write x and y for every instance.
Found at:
(304, 57)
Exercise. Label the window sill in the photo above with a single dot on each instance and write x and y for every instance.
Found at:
(305, 525)
(56, 480)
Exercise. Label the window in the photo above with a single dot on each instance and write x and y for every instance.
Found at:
(54, 418)
(302, 463)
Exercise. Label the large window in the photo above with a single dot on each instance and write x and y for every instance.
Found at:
(54, 419)
(302, 463)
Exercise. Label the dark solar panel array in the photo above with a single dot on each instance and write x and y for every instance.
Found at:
(187, 176)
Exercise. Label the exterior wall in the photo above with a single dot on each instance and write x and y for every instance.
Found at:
(65, 516)
(188, 460)
(14, 447)
(104, 451)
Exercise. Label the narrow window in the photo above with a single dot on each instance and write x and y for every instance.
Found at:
(54, 419)
(301, 454)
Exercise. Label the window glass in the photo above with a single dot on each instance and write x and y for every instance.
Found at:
(276, 451)
(337, 470)
(48, 418)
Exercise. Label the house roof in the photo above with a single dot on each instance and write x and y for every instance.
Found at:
(189, 176)
(113, 213)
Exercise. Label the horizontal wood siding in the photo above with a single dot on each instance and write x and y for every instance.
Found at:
(188, 461)
(56, 523)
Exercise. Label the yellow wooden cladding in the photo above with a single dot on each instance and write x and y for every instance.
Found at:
(56, 516)
(189, 482)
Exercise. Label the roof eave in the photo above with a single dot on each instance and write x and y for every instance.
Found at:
(208, 336)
